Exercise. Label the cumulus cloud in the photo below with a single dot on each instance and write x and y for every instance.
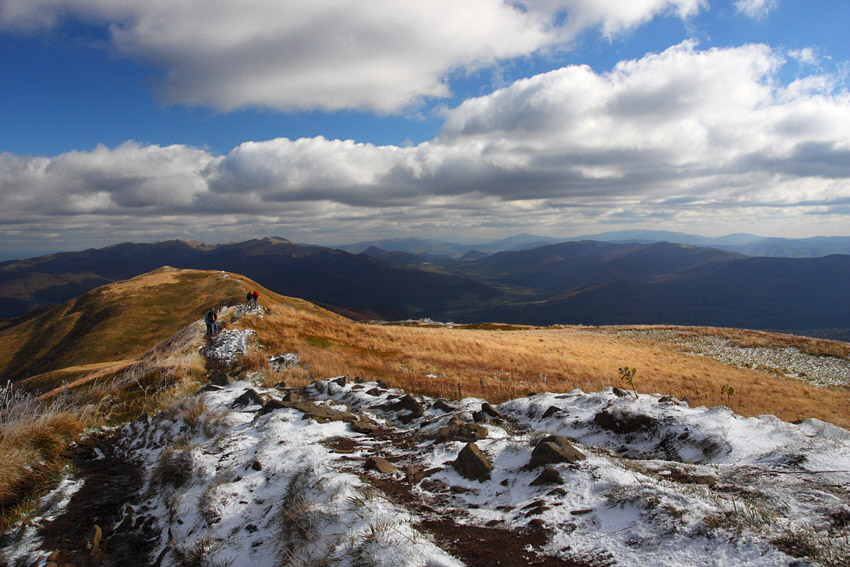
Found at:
(658, 137)
(331, 54)
(756, 9)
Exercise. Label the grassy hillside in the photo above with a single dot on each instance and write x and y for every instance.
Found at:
(113, 324)
(502, 362)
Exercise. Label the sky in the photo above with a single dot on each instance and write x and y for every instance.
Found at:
(337, 121)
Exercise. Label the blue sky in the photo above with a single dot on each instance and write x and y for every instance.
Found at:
(335, 121)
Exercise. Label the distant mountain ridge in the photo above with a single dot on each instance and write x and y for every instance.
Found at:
(358, 282)
(579, 282)
(742, 243)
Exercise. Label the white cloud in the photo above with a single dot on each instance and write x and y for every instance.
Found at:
(653, 138)
(806, 56)
(756, 9)
(330, 54)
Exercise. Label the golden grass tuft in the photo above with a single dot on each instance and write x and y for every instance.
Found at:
(500, 363)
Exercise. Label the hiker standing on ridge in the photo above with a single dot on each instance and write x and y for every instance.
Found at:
(256, 297)
(249, 299)
(211, 321)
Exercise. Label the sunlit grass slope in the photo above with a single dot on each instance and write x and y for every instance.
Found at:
(112, 324)
(499, 362)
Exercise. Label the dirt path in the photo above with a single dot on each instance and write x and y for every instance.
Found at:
(111, 486)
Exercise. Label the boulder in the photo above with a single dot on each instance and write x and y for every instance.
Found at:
(271, 405)
(442, 406)
(624, 422)
(491, 411)
(250, 397)
(552, 450)
(409, 404)
(553, 410)
(416, 473)
(322, 414)
(365, 427)
(219, 379)
(291, 396)
(457, 430)
(550, 475)
(471, 463)
(379, 464)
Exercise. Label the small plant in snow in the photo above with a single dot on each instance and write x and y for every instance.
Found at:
(627, 375)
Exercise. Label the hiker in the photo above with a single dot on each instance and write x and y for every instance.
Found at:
(249, 299)
(210, 320)
(256, 297)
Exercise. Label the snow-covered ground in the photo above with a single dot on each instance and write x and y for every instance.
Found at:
(249, 480)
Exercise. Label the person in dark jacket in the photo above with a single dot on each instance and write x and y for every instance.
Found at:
(249, 299)
(212, 321)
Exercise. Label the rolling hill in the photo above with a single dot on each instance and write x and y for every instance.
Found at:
(116, 323)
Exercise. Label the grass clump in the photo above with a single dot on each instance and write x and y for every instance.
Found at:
(200, 553)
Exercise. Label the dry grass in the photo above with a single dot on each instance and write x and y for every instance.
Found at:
(35, 431)
(33, 435)
(513, 361)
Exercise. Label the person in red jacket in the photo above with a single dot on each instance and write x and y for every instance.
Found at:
(256, 297)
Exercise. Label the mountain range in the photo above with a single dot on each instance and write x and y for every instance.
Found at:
(579, 282)
(749, 244)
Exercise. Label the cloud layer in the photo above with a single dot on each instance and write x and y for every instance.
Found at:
(675, 135)
(330, 54)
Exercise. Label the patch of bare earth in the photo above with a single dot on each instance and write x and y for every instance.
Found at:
(99, 527)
